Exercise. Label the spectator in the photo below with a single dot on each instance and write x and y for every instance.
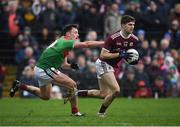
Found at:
(94, 20)
(30, 39)
(141, 35)
(173, 34)
(82, 63)
(91, 77)
(67, 16)
(112, 20)
(175, 12)
(170, 84)
(163, 8)
(164, 44)
(154, 69)
(153, 47)
(174, 77)
(144, 5)
(88, 54)
(144, 49)
(83, 17)
(133, 9)
(49, 17)
(28, 78)
(128, 84)
(176, 57)
(27, 55)
(44, 38)
(159, 87)
(36, 8)
(153, 20)
(91, 35)
(12, 22)
(143, 91)
(140, 74)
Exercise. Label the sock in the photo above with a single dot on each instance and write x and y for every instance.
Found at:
(74, 110)
(103, 108)
(82, 93)
(23, 87)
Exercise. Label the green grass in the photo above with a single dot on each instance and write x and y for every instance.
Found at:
(164, 112)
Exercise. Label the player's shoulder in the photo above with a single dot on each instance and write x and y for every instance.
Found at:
(115, 35)
(135, 37)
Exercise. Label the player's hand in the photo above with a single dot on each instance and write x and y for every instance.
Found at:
(74, 66)
(125, 55)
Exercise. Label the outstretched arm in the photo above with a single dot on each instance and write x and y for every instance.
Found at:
(88, 44)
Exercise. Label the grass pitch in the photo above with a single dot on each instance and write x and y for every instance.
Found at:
(122, 112)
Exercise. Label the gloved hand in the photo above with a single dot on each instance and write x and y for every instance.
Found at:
(123, 54)
(74, 66)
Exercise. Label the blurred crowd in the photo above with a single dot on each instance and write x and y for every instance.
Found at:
(29, 26)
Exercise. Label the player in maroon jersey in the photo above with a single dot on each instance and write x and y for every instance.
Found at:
(114, 50)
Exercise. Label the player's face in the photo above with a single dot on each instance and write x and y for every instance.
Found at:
(74, 35)
(129, 27)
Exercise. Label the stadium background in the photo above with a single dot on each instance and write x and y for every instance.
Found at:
(28, 26)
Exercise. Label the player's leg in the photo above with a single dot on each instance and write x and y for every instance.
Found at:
(63, 80)
(104, 90)
(101, 68)
(110, 81)
(42, 92)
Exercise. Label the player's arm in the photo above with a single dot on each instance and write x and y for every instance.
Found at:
(66, 65)
(105, 54)
(88, 44)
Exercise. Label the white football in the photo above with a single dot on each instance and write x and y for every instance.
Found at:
(134, 55)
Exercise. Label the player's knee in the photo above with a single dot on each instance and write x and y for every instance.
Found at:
(74, 84)
(116, 93)
(103, 94)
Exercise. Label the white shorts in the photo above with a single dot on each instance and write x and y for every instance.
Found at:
(102, 67)
(44, 77)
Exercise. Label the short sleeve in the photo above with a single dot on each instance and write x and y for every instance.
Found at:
(67, 44)
(108, 43)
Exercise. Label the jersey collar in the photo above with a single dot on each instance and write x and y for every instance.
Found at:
(124, 36)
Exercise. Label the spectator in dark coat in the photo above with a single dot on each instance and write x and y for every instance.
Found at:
(67, 16)
(49, 18)
(173, 34)
(153, 20)
(128, 83)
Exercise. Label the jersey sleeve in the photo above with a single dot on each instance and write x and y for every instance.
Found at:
(67, 44)
(108, 43)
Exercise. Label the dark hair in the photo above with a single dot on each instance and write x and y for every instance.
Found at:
(68, 28)
(126, 19)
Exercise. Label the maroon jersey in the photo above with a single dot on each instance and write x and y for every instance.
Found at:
(116, 42)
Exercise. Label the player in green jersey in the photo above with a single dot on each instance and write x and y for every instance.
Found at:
(53, 57)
